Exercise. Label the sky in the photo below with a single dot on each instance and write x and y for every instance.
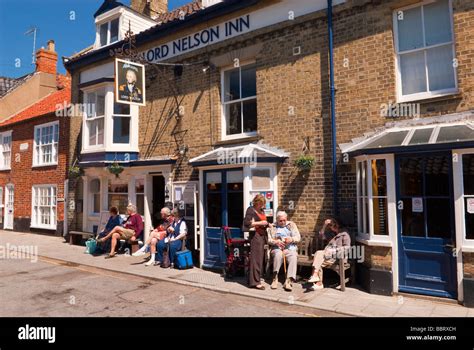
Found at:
(70, 23)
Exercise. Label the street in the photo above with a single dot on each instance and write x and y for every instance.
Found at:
(48, 288)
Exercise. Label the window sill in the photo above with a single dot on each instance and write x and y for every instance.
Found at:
(43, 227)
(93, 150)
(5, 169)
(425, 98)
(44, 165)
(239, 139)
(467, 249)
(374, 242)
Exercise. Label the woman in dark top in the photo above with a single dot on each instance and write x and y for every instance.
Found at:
(114, 220)
(256, 223)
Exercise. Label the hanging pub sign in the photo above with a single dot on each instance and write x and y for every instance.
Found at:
(129, 82)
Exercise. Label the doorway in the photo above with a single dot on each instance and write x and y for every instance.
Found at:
(158, 200)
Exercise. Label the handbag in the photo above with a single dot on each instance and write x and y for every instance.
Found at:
(91, 246)
(184, 258)
(166, 257)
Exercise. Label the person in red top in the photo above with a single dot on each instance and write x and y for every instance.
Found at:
(131, 230)
(156, 235)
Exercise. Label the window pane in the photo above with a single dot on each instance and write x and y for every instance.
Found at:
(439, 217)
(140, 185)
(469, 222)
(437, 172)
(410, 31)
(413, 72)
(411, 177)
(95, 186)
(121, 109)
(249, 81)
(141, 204)
(235, 204)
(261, 179)
(92, 133)
(441, 68)
(437, 22)
(118, 187)
(96, 204)
(421, 136)
(214, 181)
(395, 138)
(234, 118)
(413, 223)
(379, 178)
(380, 216)
(455, 133)
(214, 210)
(114, 26)
(100, 131)
(90, 110)
(235, 180)
(118, 200)
(250, 116)
(468, 173)
(232, 85)
(100, 108)
(121, 132)
(103, 34)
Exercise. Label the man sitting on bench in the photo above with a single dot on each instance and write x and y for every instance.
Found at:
(339, 243)
(131, 230)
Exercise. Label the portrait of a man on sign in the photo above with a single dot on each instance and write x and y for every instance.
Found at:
(129, 82)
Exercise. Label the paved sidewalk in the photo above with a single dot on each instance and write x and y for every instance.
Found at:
(351, 302)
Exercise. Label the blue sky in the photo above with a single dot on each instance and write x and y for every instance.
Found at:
(52, 18)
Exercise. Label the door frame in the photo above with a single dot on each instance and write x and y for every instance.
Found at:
(452, 224)
(7, 194)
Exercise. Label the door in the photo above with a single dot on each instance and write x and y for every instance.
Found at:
(158, 201)
(9, 196)
(224, 202)
(427, 263)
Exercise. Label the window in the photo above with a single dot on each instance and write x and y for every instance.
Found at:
(468, 200)
(46, 144)
(140, 195)
(121, 120)
(372, 200)
(240, 101)
(5, 145)
(425, 50)
(95, 118)
(44, 206)
(118, 195)
(94, 189)
(109, 32)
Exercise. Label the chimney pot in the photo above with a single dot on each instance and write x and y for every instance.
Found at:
(46, 59)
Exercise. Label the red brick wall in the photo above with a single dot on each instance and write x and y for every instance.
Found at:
(23, 176)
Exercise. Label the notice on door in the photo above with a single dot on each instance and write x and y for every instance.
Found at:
(417, 205)
(470, 205)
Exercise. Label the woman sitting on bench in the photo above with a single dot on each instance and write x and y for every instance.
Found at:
(174, 241)
(339, 243)
(156, 235)
(131, 229)
(114, 220)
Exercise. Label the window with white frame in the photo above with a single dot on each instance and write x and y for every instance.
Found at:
(468, 194)
(109, 32)
(45, 151)
(372, 208)
(140, 195)
(118, 195)
(425, 50)
(94, 189)
(44, 206)
(121, 122)
(240, 101)
(95, 113)
(5, 154)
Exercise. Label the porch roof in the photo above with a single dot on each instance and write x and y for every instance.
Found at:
(240, 154)
(437, 133)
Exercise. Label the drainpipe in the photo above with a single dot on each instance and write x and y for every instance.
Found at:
(333, 110)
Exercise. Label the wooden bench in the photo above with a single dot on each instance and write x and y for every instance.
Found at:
(76, 237)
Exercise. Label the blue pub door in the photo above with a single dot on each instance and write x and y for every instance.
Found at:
(427, 263)
(223, 206)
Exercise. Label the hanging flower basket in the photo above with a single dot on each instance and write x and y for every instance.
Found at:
(75, 172)
(116, 169)
(304, 162)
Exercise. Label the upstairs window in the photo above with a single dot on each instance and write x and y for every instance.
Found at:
(240, 101)
(109, 32)
(95, 113)
(45, 150)
(5, 150)
(425, 50)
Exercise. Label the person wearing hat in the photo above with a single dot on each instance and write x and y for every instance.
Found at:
(129, 91)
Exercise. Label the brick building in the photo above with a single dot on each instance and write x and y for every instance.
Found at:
(249, 96)
(33, 161)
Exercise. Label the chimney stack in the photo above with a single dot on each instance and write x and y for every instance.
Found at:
(150, 8)
(46, 59)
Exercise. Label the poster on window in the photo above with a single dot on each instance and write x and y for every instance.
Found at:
(417, 205)
(129, 82)
(470, 205)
